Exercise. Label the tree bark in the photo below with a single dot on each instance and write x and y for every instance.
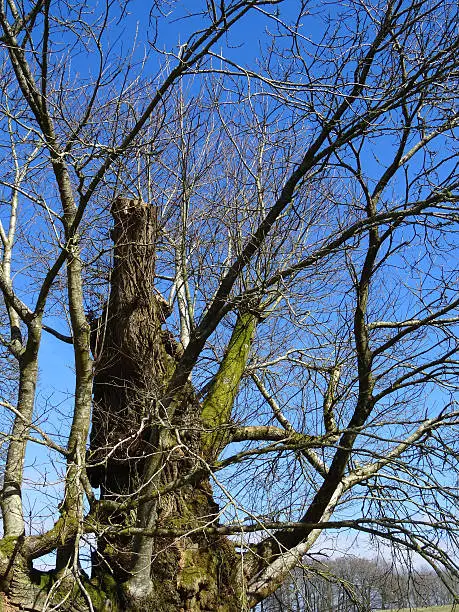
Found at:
(13, 518)
(135, 359)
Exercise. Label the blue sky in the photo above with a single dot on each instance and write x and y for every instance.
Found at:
(56, 376)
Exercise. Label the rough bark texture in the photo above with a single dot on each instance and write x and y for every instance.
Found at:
(134, 360)
(129, 364)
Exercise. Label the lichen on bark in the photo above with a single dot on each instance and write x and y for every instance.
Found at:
(134, 360)
(217, 407)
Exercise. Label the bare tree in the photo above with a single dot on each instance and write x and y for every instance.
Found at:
(353, 584)
(265, 341)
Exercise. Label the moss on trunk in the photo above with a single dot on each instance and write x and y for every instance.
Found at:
(135, 359)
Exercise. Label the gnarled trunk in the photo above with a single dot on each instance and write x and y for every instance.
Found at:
(135, 358)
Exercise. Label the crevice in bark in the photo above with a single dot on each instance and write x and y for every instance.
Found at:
(135, 359)
(11, 498)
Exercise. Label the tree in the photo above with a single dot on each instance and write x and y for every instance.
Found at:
(265, 342)
(351, 584)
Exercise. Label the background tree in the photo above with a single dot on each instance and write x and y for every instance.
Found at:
(265, 341)
(353, 584)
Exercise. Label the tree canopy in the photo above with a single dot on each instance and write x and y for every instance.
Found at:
(237, 224)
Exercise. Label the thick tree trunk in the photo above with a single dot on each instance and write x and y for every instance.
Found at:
(134, 360)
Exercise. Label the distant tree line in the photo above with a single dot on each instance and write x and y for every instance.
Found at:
(358, 585)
